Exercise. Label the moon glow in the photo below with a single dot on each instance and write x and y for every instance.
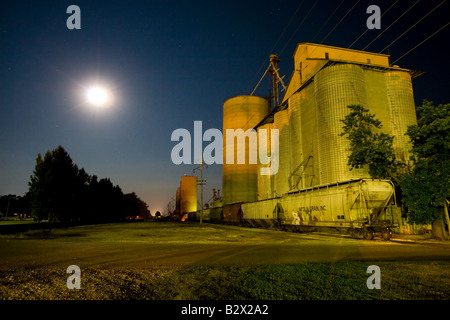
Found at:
(98, 96)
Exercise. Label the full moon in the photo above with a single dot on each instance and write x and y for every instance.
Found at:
(98, 96)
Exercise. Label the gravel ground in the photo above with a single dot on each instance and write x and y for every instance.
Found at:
(49, 283)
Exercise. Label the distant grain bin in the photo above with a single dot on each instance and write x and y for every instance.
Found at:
(188, 194)
(240, 181)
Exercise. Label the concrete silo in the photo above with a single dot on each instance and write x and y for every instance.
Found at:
(265, 182)
(401, 109)
(295, 138)
(281, 122)
(240, 180)
(188, 194)
(336, 87)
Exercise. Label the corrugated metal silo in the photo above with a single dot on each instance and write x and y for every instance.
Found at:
(240, 181)
(308, 118)
(188, 194)
(265, 182)
(376, 95)
(402, 110)
(296, 146)
(336, 87)
(281, 122)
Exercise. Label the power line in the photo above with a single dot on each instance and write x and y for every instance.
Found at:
(340, 21)
(326, 22)
(287, 25)
(301, 23)
(390, 25)
(367, 29)
(335, 25)
(413, 25)
(421, 42)
(276, 42)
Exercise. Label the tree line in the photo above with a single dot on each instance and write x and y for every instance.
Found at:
(12, 204)
(59, 191)
(422, 183)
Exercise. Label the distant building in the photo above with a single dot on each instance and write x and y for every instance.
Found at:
(186, 197)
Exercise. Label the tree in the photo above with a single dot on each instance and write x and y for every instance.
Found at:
(368, 147)
(11, 204)
(61, 192)
(136, 207)
(426, 188)
(106, 202)
(57, 187)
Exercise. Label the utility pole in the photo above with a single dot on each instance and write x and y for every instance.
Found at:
(7, 208)
(201, 192)
(201, 183)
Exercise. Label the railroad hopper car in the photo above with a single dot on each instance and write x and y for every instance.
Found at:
(362, 207)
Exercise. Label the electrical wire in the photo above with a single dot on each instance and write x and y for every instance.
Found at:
(274, 46)
(301, 23)
(421, 42)
(287, 25)
(413, 25)
(326, 22)
(390, 25)
(367, 29)
(340, 21)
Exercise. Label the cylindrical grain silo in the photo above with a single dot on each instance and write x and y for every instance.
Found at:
(281, 122)
(402, 110)
(188, 194)
(296, 147)
(240, 180)
(336, 87)
(265, 181)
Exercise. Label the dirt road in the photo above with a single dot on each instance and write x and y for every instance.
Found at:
(237, 246)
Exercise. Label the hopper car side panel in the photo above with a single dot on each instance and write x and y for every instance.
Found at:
(362, 205)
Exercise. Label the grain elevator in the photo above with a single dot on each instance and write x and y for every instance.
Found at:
(314, 185)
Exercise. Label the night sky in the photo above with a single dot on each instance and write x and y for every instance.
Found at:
(167, 64)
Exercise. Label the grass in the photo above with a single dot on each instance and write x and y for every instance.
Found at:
(157, 232)
(11, 221)
(340, 281)
(411, 280)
